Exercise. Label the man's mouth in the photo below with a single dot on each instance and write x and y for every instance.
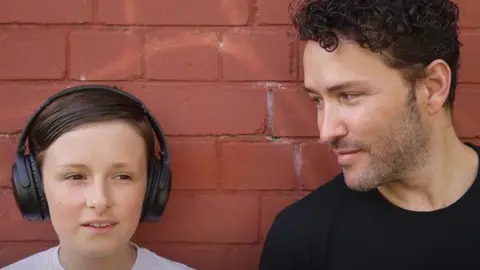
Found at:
(340, 152)
(346, 156)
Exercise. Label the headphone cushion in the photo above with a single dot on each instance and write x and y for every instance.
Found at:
(24, 190)
(158, 190)
(37, 181)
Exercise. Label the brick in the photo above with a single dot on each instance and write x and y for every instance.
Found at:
(182, 55)
(475, 141)
(469, 13)
(270, 206)
(257, 165)
(273, 12)
(301, 50)
(294, 114)
(318, 165)
(32, 54)
(11, 252)
(203, 109)
(181, 109)
(15, 228)
(174, 12)
(212, 257)
(46, 11)
(205, 218)
(468, 57)
(465, 109)
(258, 55)
(105, 55)
(19, 100)
(7, 158)
(194, 163)
(242, 257)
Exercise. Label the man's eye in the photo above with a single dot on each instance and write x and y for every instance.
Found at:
(318, 101)
(315, 98)
(348, 96)
(123, 177)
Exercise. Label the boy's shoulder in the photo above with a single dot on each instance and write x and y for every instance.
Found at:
(147, 259)
(39, 260)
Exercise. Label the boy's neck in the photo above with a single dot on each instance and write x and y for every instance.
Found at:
(123, 259)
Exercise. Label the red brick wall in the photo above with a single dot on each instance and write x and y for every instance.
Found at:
(223, 79)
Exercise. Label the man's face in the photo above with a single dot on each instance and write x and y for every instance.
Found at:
(367, 113)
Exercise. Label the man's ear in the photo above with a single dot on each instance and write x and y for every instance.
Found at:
(437, 85)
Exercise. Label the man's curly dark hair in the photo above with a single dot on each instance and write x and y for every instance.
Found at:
(409, 33)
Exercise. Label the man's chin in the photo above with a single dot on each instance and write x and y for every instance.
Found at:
(358, 183)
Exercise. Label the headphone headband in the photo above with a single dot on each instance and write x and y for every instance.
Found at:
(27, 179)
(89, 87)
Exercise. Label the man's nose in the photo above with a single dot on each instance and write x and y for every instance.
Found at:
(330, 125)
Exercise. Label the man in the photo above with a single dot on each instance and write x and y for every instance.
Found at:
(383, 75)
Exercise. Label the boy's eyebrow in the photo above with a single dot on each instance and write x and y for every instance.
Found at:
(73, 165)
(83, 166)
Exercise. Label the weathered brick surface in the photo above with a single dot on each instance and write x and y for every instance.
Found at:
(223, 78)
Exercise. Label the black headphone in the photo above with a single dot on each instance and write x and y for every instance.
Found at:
(27, 180)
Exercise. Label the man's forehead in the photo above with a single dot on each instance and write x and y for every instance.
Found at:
(355, 68)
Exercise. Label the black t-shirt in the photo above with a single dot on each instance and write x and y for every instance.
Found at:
(337, 228)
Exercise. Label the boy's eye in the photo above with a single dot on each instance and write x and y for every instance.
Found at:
(74, 177)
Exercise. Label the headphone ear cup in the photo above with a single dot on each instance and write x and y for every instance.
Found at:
(165, 187)
(158, 191)
(38, 184)
(24, 182)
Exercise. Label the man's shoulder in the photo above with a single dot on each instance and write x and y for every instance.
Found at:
(39, 260)
(316, 206)
(149, 260)
(304, 223)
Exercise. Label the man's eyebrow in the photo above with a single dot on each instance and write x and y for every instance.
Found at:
(309, 90)
(338, 87)
(345, 85)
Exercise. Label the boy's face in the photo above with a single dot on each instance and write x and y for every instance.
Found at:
(95, 180)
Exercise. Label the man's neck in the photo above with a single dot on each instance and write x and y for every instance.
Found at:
(73, 260)
(449, 172)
